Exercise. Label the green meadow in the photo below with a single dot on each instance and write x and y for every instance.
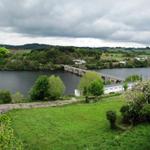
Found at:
(77, 127)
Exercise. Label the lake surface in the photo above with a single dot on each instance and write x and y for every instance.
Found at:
(22, 81)
(125, 72)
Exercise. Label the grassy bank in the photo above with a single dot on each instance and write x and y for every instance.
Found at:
(80, 126)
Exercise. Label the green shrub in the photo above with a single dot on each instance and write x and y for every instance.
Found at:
(137, 98)
(47, 88)
(131, 113)
(145, 112)
(133, 78)
(5, 97)
(86, 80)
(7, 138)
(139, 93)
(125, 86)
(18, 98)
(56, 87)
(125, 114)
(3, 52)
(96, 88)
(40, 89)
(111, 116)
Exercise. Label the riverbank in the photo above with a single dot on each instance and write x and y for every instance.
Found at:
(57, 67)
(53, 68)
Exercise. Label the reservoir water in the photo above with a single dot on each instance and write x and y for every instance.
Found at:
(22, 81)
(125, 72)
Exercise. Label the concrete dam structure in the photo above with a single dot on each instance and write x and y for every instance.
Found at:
(81, 72)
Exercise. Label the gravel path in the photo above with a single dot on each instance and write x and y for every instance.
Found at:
(6, 107)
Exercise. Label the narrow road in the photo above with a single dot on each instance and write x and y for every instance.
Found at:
(6, 107)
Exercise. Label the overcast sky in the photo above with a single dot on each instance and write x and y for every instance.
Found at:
(76, 22)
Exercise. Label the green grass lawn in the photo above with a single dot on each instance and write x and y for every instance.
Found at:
(77, 127)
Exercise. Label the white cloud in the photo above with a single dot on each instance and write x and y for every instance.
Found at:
(106, 22)
(17, 39)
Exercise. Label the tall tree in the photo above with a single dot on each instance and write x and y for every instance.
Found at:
(87, 79)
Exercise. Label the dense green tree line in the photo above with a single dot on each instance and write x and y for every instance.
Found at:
(52, 58)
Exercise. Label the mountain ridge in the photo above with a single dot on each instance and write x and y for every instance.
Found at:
(35, 46)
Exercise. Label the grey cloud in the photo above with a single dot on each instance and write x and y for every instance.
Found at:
(118, 20)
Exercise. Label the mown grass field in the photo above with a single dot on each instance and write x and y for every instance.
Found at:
(77, 127)
(113, 56)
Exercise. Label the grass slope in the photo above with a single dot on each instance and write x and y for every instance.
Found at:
(80, 126)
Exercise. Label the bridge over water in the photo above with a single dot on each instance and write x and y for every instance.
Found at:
(81, 72)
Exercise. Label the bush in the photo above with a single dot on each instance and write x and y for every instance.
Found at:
(47, 88)
(40, 89)
(87, 79)
(140, 92)
(3, 52)
(7, 138)
(5, 97)
(131, 113)
(125, 86)
(56, 87)
(18, 98)
(96, 88)
(125, 113)
(111, 116)
(137, 99)
(133, 78)
(145, 112)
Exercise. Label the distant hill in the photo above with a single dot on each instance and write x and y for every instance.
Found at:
(35, 46)
(26, 46)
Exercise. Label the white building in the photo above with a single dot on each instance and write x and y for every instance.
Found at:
(79, 61)
(123, 62)
(77, 92)
(116, 88)
(141, 58)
